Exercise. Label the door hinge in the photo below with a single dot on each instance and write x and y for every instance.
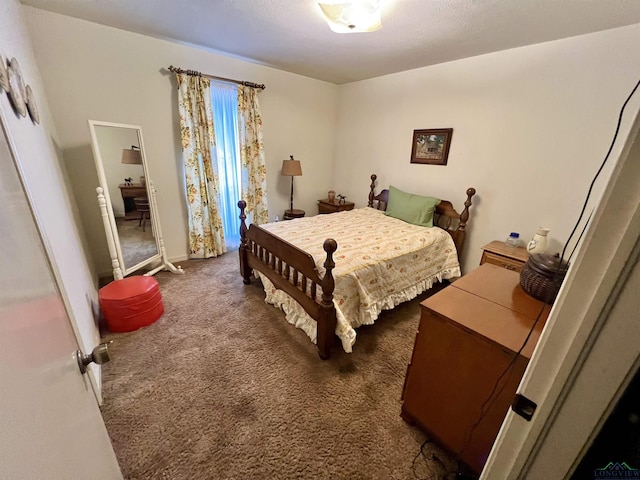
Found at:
(523, 407)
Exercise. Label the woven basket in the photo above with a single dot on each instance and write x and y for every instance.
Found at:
(542, 276)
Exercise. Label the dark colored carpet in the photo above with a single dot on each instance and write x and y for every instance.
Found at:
(222, 387)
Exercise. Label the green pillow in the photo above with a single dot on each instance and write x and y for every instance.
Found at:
(414, 209)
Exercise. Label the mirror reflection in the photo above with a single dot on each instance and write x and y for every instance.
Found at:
(124, 181)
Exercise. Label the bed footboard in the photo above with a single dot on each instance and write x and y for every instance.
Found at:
(292, 270)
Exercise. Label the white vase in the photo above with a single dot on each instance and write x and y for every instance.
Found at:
(538, 244)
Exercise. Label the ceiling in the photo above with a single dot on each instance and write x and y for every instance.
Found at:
(291, 35)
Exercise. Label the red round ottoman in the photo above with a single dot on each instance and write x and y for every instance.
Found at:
(131, 303)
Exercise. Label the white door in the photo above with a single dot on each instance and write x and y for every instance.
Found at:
(50, 424)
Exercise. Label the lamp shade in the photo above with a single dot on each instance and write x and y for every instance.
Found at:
(132, 156)
(291, 168)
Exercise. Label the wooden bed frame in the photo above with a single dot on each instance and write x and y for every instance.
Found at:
(294, 271)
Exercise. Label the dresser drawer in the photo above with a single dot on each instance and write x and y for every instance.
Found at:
(500, 261)
(325, 206)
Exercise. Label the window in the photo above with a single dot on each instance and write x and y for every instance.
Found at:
(224, 99)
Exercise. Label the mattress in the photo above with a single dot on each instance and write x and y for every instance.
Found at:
(380, 262)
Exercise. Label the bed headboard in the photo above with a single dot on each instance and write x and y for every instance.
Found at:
(445, 217)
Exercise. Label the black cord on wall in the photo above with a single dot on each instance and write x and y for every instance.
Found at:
(556, 277)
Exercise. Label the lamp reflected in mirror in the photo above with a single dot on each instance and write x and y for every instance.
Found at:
(132, 156)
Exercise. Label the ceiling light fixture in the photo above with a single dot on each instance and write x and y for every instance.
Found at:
(356, 16)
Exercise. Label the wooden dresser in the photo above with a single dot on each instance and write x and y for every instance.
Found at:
(325, 206)
(500, 254)
(469, 334)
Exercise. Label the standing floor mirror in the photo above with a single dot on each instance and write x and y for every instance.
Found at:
(127, 200)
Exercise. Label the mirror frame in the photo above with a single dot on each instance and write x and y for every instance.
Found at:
(121, 270)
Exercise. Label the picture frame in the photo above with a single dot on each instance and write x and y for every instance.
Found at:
(431, 146)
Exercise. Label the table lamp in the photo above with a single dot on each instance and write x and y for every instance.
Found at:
(291, 168)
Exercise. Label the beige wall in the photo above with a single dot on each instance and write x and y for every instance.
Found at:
(37, 152)
(531, 125)
(530, 128)
(101, 73)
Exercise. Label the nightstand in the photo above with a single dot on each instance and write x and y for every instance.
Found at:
(291, 214)
(500, 254)
(325, 206)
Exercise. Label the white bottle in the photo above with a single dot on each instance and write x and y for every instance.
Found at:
(513, 240)
(538, 244)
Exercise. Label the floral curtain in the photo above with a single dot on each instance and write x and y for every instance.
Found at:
(254, 171)
(206, 237)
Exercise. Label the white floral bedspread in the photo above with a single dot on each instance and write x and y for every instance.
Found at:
(380, 262)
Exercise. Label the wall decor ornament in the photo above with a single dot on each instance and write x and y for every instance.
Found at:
(17, 91)
(4, 75)
(431, 146)
(31, 105)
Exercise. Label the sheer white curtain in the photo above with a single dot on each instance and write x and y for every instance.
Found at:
(225, 120)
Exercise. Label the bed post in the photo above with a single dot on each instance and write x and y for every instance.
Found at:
(327, 321)
(245, 271)
(462, 226)
(371, 189)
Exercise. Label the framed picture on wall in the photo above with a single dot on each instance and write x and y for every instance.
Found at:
(431, 146)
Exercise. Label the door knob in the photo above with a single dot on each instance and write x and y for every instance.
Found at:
(99, 355)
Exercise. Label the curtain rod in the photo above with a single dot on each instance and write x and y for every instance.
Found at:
(200, 74)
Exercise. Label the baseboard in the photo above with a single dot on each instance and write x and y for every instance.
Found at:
(104, 278)
(179, 258)
(107, 276)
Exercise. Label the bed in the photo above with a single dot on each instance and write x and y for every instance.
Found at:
(332, 273)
